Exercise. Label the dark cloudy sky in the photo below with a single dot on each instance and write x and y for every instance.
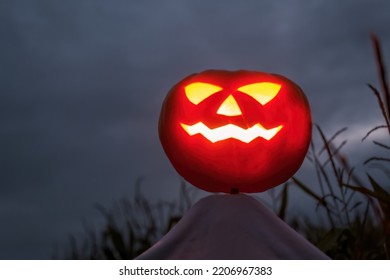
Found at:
(82, 82)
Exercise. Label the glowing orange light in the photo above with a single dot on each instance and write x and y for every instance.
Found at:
(262, 92)
(245, 130)
(197, 92)
(231, 131)
(229, 107)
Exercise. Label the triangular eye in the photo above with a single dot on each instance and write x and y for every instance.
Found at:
(197, 92)
(262, 92)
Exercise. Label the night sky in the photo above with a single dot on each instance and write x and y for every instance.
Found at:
(82, 82)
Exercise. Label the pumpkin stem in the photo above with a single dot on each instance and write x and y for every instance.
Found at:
(234, 191)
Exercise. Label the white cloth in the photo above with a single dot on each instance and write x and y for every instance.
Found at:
(232, 227)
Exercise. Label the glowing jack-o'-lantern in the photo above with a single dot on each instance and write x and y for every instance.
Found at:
(245, 131)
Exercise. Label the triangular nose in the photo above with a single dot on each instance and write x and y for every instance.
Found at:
(229, 107)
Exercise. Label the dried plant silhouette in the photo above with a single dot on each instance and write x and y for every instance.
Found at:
(130, 227)
(354, 208)
(357, 207)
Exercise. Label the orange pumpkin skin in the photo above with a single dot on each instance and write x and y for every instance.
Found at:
(221, 165)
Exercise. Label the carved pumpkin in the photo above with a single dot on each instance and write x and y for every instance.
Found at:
(241, 130)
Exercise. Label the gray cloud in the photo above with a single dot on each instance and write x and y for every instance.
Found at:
(82, 84)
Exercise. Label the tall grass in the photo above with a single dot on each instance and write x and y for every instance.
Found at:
(130, 227)
(357, 207)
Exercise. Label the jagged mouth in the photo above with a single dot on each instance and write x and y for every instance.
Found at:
(231, 131)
